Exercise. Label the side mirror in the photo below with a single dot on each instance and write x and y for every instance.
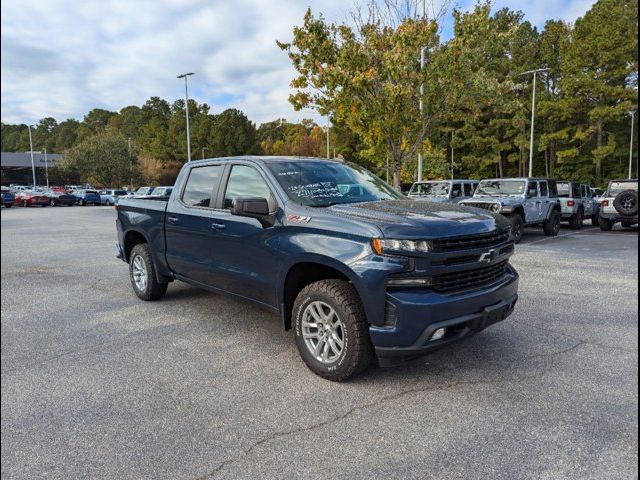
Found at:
(253, 207)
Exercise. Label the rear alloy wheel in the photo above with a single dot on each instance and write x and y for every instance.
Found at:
(606, 225)
(331, 330)
(577, 221)
(517, 227)
(143, 274)
(552, 226)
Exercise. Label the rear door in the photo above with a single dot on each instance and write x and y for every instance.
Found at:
(245, 251)
(188, 229)
(545, 200)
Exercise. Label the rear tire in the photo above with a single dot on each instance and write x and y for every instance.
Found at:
(332, 310)
(552, 226)
(517, 226)
(576, 222)
(606, 225)
(142, 272)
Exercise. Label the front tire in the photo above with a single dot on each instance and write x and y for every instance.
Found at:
(606, 225)
(143, 274)
(517, 226)
(552, 226)
(331, 330)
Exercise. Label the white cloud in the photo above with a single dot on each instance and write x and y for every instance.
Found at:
(61, 58)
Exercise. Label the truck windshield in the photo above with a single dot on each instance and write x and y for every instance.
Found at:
(617, 188)
(435, 189)
(324, 183)
(501, 187)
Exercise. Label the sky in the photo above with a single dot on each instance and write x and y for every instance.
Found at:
(61, 58)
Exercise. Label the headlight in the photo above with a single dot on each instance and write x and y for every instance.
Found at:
(506, 209)
(401, 247)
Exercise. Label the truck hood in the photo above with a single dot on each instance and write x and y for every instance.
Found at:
(408, 219)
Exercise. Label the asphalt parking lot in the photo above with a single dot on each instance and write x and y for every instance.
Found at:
(97, 384)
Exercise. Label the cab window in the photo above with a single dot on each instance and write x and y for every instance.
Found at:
(532, 189)
(544, 189)
(200, 184)
(246, 181)
(456, 191)
(468, 190)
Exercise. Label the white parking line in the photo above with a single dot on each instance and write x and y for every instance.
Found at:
(558, 236)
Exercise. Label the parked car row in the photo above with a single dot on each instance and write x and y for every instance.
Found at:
(69, 195)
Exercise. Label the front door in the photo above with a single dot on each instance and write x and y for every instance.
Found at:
(532, 203)
(188, 230)
(245, 252)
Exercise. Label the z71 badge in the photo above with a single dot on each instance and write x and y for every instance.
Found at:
(298, 219)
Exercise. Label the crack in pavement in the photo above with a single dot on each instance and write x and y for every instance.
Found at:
(384, 399)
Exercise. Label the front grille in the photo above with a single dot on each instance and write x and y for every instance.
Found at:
(451, 282)
(483, 205)
(472, 241)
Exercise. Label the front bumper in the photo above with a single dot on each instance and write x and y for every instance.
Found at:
(418, 314)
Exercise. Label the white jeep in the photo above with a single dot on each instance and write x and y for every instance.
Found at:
(619, 204)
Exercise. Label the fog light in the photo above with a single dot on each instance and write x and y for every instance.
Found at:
(438, 334)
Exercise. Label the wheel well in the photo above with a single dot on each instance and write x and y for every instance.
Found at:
(519, 211)
(298, 277)
(132, 239)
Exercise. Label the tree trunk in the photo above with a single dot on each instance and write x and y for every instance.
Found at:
(552, 158)
(501, 165)
(397, 173)
(599, 158)
(546, 162)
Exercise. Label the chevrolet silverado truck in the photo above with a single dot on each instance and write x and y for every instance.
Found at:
(530, 202)
(619, 204)
(357, 270)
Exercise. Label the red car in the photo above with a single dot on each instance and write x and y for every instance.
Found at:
(30, 199)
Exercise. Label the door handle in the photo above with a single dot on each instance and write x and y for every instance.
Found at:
(173, 219)
(218, 226)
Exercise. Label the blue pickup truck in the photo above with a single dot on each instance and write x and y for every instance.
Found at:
(357, 270)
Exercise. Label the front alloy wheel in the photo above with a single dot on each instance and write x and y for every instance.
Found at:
(323, 332)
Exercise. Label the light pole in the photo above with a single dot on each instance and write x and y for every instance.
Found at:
(533, 113)
(452, 163)
(203, 149)
(633, 114)
(421, 107)
(328, 154)
(46, 167)
(186, 107)
(33, 165)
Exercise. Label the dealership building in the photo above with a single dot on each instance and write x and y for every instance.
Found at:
(16, 167)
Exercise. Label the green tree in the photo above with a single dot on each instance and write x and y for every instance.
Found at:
(102, 159)
(367, 78)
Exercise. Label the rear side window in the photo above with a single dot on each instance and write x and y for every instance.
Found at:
(544, 189)
(200, 184)
(245, 181)
(575, 191)
(532, 189)
(468, 189)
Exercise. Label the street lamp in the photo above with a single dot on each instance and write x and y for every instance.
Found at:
(186, 106)
(33, 165)
(533, 113)
(632, 113)
(203, 149)
(327, 128)
(46, 167)
(421, 107)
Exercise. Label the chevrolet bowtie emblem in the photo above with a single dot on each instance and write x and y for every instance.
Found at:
(488, 257)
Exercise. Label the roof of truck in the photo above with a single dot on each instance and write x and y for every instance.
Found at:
(269, 159)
